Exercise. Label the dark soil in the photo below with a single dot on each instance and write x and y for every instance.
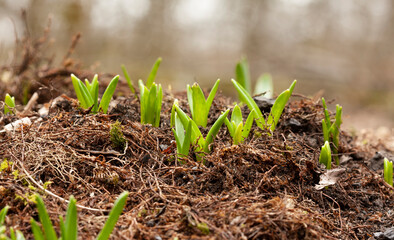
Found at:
(265, 188)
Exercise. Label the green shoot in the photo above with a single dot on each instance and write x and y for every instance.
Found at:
(182, 137)
(87, 93)
(9, 104)
(243, 75)
(264, 85)
(3, 213)
(69, 228)
(48, 230)
(331, 130)
(113, 216)
(199, 106)
(128, 79)
(116, 135)
(276, 110)
(388, 171)
(238, 131)
(325, 155)
(14, 235)
(150, 102)
(153, 73)
(196, 135)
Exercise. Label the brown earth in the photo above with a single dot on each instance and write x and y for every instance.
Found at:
(265, 188)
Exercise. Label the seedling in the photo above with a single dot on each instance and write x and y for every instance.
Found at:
(150, 102)
(199, 106)
(150, 79)
(196, 135)
(69, 228)
(276, 110)
(87, 93)
(128, 79)
(325, 155)
(242, 74)
(238, 131)
(264, 82)
(9, 104)
(388, 171)
(182, 137)
(331, 130)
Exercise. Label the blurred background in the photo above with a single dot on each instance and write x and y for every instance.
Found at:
(345, 48)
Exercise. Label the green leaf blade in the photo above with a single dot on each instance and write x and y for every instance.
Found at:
(117, 209)
(153, 73)
(109, 92)
(71, 224)
(214, 130)
(49, 231)
(128, 79)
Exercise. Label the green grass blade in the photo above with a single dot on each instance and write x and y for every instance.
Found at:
(94, 92)
(37, 232)
(211, 95)
(246, 98)
(264, 85)
(214, 130)
(325, 130)
(238, 134)
(49, 231)
(88, 99)
(196, 133)
(151, 104)
(243, 75)
(76, 83)
(388, 171)
(173, 111)
(157, 109)
(279, 106)
(236, 115)
(153, 73)
(3, 213)
(63, 232)
(71, 224)
(9, 104)
(128, 79)
(179, 129)
(190, 99)
(325, 155)
(326, 113)
(113, 217)
(88, 85)
(230, 127)
(248, 125)
(109, 92)
(199, 106)
(143, 99)
(187, 140)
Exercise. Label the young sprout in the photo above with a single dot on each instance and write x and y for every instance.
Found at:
(128, 79)
(276, 110)
(153, 72)
(242, 74)
(325, 155)
(331, 130)
(199, 106)
(196, 135)
(9, 104)
(87, 93)
(238, 131)
(388, 171)
(150, 102)
(182, 136)
(69, 228)
(150, 79)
